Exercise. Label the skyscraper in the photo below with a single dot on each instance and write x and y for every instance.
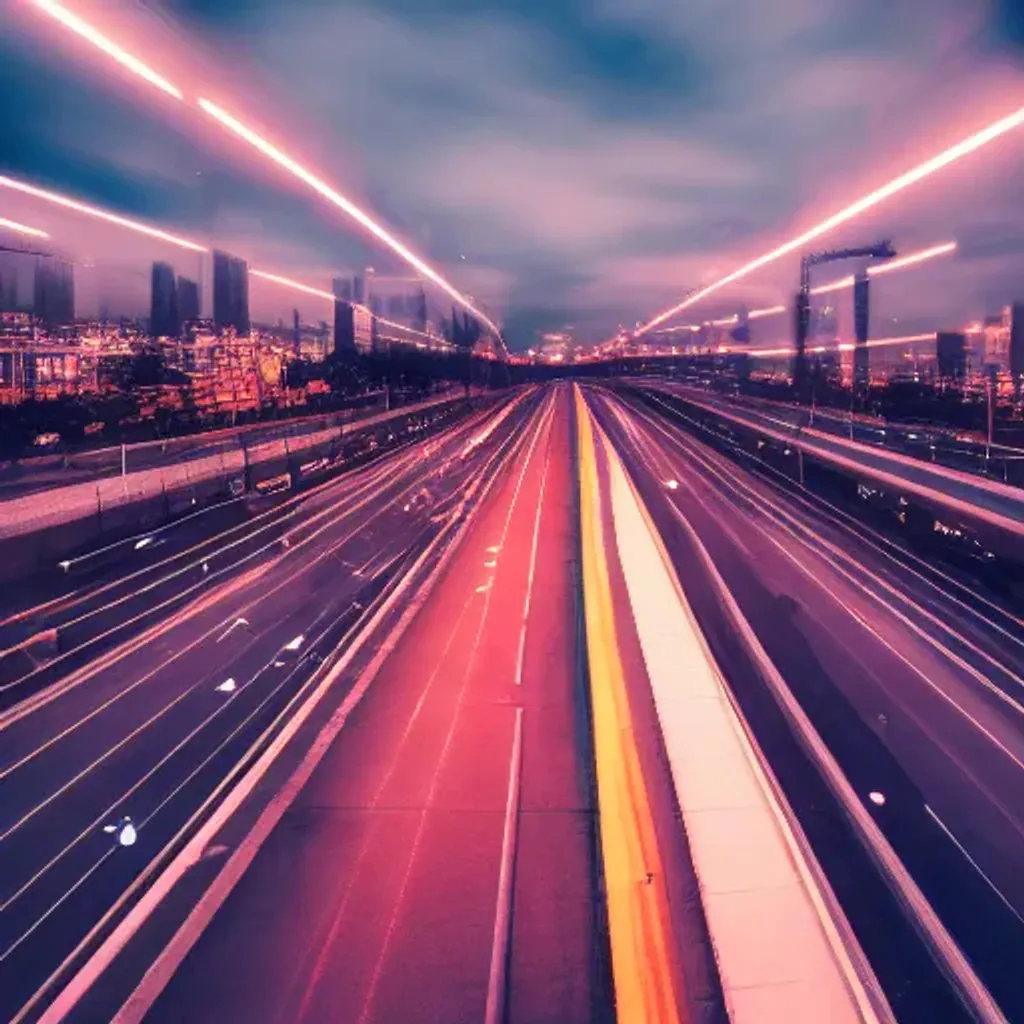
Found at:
(230, 293)
(951, 352)
(188, 300)
(1017, 345)
(53, 292)
(861, 326)
(163, 305)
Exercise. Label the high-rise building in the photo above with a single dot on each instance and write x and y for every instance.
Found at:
(188, 300)
(861, 326)
(344, 327)
(359, 290)
(53, 292)
(951, 352)
(342, 288)
(163, 306)
(230, 293)
(1017, 345)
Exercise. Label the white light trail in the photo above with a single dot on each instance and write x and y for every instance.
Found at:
(108, 46)
(844, 346)
(22, 229)
(879, 195)
(912, 258)
(93, 211)
(334, 197)
(756, 314)
(320, 293)
(834, 286)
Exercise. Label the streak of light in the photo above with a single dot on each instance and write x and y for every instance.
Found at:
(347, 206)
(94, 211)
(834, 286)
(879, 195)
(288, 282)
(23, 229)
(912, 258)
(844, 346)
(108, 46)
(320, 293)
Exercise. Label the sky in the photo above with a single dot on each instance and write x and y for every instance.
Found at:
(576, 163)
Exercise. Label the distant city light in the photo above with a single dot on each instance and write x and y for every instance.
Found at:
(22, 229)
(108, 46)
(93, 211)
(338, 200)
(911, 177)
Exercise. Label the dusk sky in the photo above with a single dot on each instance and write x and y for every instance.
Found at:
(578, 162)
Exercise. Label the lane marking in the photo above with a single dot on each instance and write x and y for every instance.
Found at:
(497, 981)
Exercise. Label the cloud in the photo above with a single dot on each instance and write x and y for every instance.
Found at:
(590, 159)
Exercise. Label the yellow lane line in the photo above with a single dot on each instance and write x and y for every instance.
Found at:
(639, 924)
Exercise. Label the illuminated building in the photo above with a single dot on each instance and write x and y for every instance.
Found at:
(1017, 345)
(230, 293)
(163, 307)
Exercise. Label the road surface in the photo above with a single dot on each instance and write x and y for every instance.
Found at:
(916, 691)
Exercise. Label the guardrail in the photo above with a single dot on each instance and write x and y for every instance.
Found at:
(983, 501)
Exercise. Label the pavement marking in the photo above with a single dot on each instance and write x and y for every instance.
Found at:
(497, 981)
(162, 969)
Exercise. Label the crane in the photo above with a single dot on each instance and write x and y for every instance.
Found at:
(881, 251)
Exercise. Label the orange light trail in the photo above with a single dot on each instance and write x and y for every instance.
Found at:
(108, 46)
(22, 229)
(92, 211)
(879, 195)
(332, 196)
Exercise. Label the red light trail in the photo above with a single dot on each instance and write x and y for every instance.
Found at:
(879, 195)
(127, 60)
(93, 211)
(22, 229)
(108, 46)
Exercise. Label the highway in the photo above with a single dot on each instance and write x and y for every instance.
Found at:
(915, 690)
(996, 504)
(347, 759)
(159, 727)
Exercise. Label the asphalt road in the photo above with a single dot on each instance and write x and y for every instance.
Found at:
(151, 728)
(916, 689)
(829, 444)
(376, 897)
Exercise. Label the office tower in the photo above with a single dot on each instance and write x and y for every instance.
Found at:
(342, 288)
(802, 318)
(861, 326)
(344, 327)
(163, 306)
(1017, 345)
(296, 331)
(188, 300)
(230, 293)
(951, 353)
(359, 289)
(53, 293)
(419, 316)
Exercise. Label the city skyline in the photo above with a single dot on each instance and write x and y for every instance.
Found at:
(893, 89)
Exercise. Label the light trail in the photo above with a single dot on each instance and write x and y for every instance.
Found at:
(93, 211)
(108, 46)
(22, 229)
(288, 282)
(872, 199)
(226, 120)
(910, 260)
(334, 197)
(844, 346)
